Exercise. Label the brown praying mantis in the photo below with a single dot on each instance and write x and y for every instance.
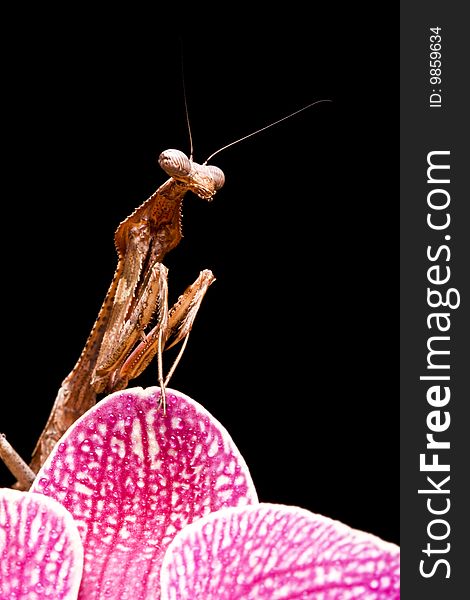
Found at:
(118, 348)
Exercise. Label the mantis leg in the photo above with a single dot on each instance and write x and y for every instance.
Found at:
(133, 305)
(172, 327)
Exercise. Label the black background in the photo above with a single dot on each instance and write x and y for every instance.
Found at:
(293, 348)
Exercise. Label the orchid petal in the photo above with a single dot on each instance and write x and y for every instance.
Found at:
(41, 555)
(277, 552)
(132, 477)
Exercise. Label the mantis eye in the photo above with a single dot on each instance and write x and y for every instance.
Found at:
(217, 175)
(175, 163)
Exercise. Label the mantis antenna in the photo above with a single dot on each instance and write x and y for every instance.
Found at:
(296, 112)
(186, 107)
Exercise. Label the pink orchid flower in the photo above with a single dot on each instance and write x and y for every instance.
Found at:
(137, 504)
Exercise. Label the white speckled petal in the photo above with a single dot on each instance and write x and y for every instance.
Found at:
(41, 555)
(274, 552)
(133, 477)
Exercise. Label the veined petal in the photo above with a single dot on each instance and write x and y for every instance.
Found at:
(278, 552)
(133, 477)
(41, 555)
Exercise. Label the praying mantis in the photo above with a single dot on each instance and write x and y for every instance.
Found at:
(118, 348)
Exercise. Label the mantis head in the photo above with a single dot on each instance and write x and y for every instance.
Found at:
(203, 180)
